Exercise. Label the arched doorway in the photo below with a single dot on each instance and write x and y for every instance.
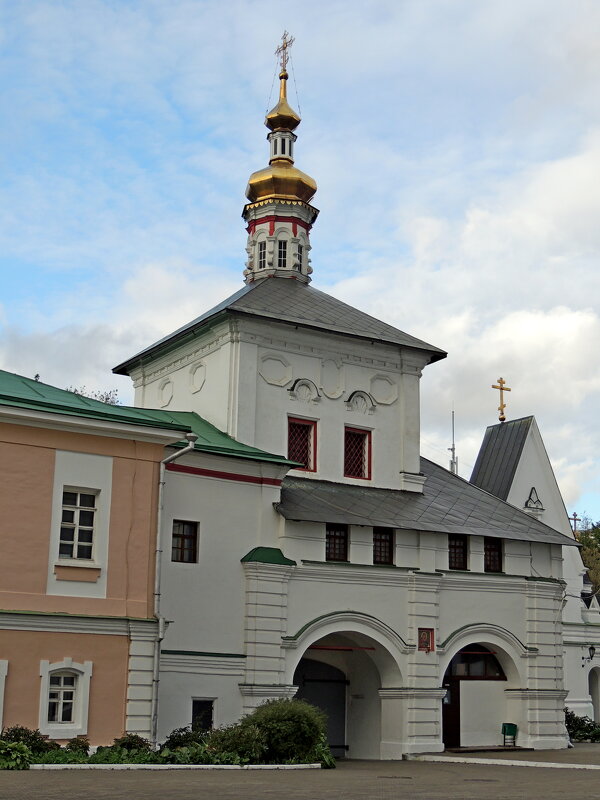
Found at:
(474, 705)
(342, 673)
(594, 689)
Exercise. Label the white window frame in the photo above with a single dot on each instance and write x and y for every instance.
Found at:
(79, 725)
(76, 527)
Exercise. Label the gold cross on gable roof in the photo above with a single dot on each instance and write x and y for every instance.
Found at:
(503, 388)
(282, 50)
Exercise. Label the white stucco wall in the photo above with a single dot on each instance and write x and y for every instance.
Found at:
(482, 712)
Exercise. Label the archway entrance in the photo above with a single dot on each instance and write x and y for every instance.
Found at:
(594, 689)
(342, 673)
(473, 709)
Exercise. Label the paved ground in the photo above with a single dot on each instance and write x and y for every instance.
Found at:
(582, 753)
(358, 780)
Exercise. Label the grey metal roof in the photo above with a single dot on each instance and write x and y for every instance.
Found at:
(449, 504)
(296, 303)
(499, 456)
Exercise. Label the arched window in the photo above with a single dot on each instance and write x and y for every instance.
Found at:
(64, 698)
(62, 693)
(476, 662)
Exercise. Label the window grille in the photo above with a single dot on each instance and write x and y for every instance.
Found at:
(282, 254)
(457, 551)
(61, 697)
(301, 443)
(184, 546)
(336, 543)
(383, 546)
(357, 445)
(77, 524)
(262, 255)
(492, 554)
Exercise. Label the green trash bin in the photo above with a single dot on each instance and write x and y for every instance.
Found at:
(509, 733)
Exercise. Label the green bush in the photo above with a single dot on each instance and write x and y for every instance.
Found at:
(183, 737)
(80, 744)
(119, 755)
(193, 753)
(580, 729)
(33, 739)
(61, 756)
(292, 729)
(14, 755)
(244, 743)
(131, 741)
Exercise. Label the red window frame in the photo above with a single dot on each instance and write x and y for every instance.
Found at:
(310, 424)
(492, 554)
(367, 436)
(336, 542)
(383, 545)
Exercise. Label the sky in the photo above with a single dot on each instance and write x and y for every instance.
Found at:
(455, 144)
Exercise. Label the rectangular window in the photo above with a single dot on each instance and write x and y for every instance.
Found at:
(282, 254)
(383, 546)
(77, 524)
(202, 714)
(492, 554)
(357, 453)
(336, 543)
(275, 146)
(300, 255)
(185, 542)
(61, 697)
(262, 255)
(302, 440)
(457, 551)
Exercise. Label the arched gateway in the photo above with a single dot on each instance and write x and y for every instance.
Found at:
(353, 675)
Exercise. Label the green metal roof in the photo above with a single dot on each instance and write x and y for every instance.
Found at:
(17, 391)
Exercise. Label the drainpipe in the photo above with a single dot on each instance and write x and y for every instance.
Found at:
(191, 438)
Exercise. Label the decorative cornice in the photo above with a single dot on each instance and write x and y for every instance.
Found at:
(65, 623)
(267, 690)
(403, 693)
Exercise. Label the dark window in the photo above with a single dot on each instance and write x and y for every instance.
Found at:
(275, 146)
(202, 715)
(283, 146)
(282, 254)
(478, 662)
(336, 543)
(185, 542)
(262, 255)
(357, 453)
(492, 554)
(301, 442)
(383, 546)
(300, 255)
(457, 551)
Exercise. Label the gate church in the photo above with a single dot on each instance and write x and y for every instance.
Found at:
(415, 607)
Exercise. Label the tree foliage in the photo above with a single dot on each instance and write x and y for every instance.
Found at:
(589, 538)
(109, 396)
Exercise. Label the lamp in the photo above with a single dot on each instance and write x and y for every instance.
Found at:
(592, 653)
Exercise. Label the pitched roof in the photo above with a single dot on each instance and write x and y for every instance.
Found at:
(16, 391)
(499, 456)
(295, 303)
(449, 504)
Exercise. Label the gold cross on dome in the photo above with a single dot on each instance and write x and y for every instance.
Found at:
(503, 388)
(282, 50)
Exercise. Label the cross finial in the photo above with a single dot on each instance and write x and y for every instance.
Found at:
(282, 50)
(575, 519)
(503, 388)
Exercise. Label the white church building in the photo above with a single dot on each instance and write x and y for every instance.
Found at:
(420, 610)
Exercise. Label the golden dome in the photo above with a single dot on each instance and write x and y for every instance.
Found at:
(280, 180)
(283, 115)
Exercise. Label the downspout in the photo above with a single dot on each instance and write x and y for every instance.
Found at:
(191, 438)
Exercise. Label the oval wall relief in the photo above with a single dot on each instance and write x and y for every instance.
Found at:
(197, 377)
(275, 370)
(166, 392)
(332, 378)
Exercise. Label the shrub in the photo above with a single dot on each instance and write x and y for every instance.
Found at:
(580, 729)
(183, 737)
(80, 744)
(244, 743)
(33, 739)
(193, 753)
(14, 755)
(131, 741)
(292, 729)
(116, 754)
(61, 756)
